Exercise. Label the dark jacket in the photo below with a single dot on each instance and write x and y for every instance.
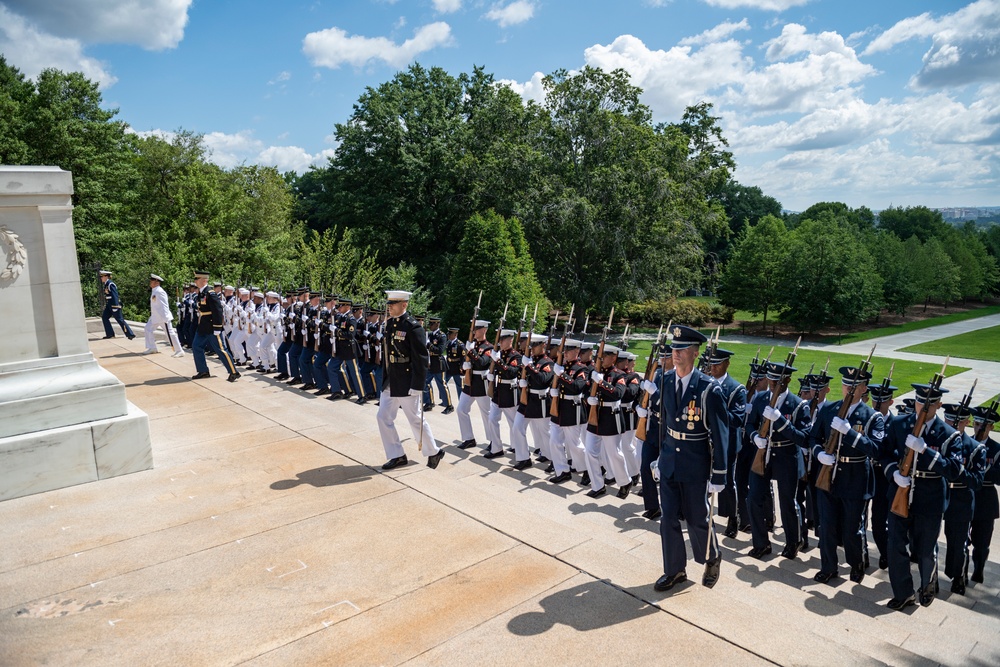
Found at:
(404, 355)
(853, 474)
(210, 311)
(696, 436)
(942, 460)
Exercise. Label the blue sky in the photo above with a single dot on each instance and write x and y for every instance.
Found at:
(876, 103)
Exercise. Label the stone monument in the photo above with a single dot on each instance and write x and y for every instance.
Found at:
(64, 420)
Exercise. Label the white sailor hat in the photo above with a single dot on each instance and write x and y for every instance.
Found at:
(258, 293)
(273, 295)
(105, 273)
(392, 295)
(482, 323)
(244, 290)
(153, 276)
(230, 288)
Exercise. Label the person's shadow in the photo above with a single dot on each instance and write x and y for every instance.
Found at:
(589, 606)
(326, 476)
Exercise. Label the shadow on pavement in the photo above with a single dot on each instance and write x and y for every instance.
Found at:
(326, 476)
(589, 606)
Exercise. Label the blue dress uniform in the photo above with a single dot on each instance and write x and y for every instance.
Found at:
(694, 437)
(453, 360)
(113, 308)
(651, 445)
(841, 510)
(786, 466)
(744, 459)
(210, 310)
(437, 344)
(961, 501)
(879, 503)
(371, 366)
(286, 343)
(939, 463)
(987, 507)
(310, 337)
(736, 403)
(347, 351)
(324, 351)
(295, 351)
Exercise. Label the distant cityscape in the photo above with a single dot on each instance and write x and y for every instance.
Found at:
(962, 213)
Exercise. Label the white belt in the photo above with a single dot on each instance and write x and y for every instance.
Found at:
(539, 392)
(508, 382)
(480, 373)
(616, 405)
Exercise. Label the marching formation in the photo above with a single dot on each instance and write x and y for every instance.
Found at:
(682, 434)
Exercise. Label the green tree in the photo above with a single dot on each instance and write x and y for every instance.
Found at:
(937, 275)
(913, 220)
(744, 206)
(15, 96)
(897, 268)
(755, 276)
(403, 276)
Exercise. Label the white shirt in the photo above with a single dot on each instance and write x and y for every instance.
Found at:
(159, 306)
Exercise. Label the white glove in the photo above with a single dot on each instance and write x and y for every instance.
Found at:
(495, 355)
(591, 400)
(716, 488)
(525, 361)
(378, 335)
(490, 377)
(559, 370)
(365, 333)
(748, 408)
(840, 425)
(654, 467)
(414, 392)
(641, 411)
(916, 444)
(771, 413)
(649, 387)
(826, 459)
(598, 378)
(466, 366)
(522, 383)
(760, 442)
(901, 482)
(470, 345)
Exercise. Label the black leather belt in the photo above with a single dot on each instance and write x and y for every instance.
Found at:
(956, 485)
(853, 459)
(926, 475)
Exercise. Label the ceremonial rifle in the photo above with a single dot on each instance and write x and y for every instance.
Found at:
(651, 365)
(904, 495)
(885, 384)
(834, 439)
(592, 420)
(527, 351)
(762, 456)
(472, 333)
(713, 345)
(491, 387)
(624, 344)
(980, 433)
(554, 408)
(552, 331)
(807, 387)
(814, 401)
(586, 321)
(755, 362)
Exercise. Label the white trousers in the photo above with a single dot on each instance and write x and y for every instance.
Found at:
(171, 335)
(565, 443)
(253, 348)
(633, 458)
(493, 428)
(465, 415)
(388, 406)
(519, 435)
(610, 445)
(268, 350)
(236, 340)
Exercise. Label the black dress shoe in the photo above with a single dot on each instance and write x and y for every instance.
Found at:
(467, 444)
(899, 604)
(335, 396)
(361, 401)
(822, 577)
(233, 377)
(958, 586)
(597, 494)
(760, 553)
(541, 459)
(731, 529)
(433, 461)
(635, 480)
(926, 597)
(668, 581)
(322, 392)
(281, 376)
(585, 479)
(522, 465)
(107, 337)
(309, 386)
(858, 573)
(130, 337)
(493, 455)
(977, 576)
(428, 408)
(561, 477)
(448, 410)
(549, 469)
(652, 514)
(623, 491)
(294, 381)
(711, 576)
(395, 463)
(790, 551)
(201, 376)
(745, 528)
(883, 563)
(867, 563)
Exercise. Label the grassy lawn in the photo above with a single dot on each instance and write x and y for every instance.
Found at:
(981, 344)
(913, 326)
(905, 372)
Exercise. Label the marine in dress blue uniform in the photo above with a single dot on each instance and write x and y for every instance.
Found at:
(694, 438)
(987, 506)
(437, 344)
(454, 354)
(113, 308)
(841, 509)
(736, 403)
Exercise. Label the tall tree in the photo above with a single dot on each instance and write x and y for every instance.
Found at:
(744, 206)
(755, 276)
(912, 220)
(897, 268)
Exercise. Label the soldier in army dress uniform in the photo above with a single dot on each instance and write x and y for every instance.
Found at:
(113, 308)
(209, 330)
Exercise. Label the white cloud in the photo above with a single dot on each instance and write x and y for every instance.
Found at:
(333, 47)
(767, 5)
(533, 89)
(965, 45)
(719, 32)
(32, 50)
(281, 78)
(447, 6)
(152, 24)
(516, 12)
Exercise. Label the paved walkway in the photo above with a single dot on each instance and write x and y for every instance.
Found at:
(267, 535)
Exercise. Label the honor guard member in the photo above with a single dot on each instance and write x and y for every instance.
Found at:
(651, 445)
(506, 369)
(604, 438)
(937, 461)
(537, 367)
(961, 499)
(477, 360)
(633, 390)
(360, 339)
(987, 506)
(255, 330)
(881, 401)
(273, 335)
(566, 431)
(324, 352)
(757, 382)
(310, 340)
(371, 368)
(159, 313)
(735, 393)
(818, 385)
(298, 336)
(286, 344)
(694, 431)
(347, 351)
(437, 347)
(786, 442)
(209, 330)
(406, 362)
(454, 353)
(842, 509)
(113, 308)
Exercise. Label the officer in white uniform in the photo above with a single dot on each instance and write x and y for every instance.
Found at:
(159, 313)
